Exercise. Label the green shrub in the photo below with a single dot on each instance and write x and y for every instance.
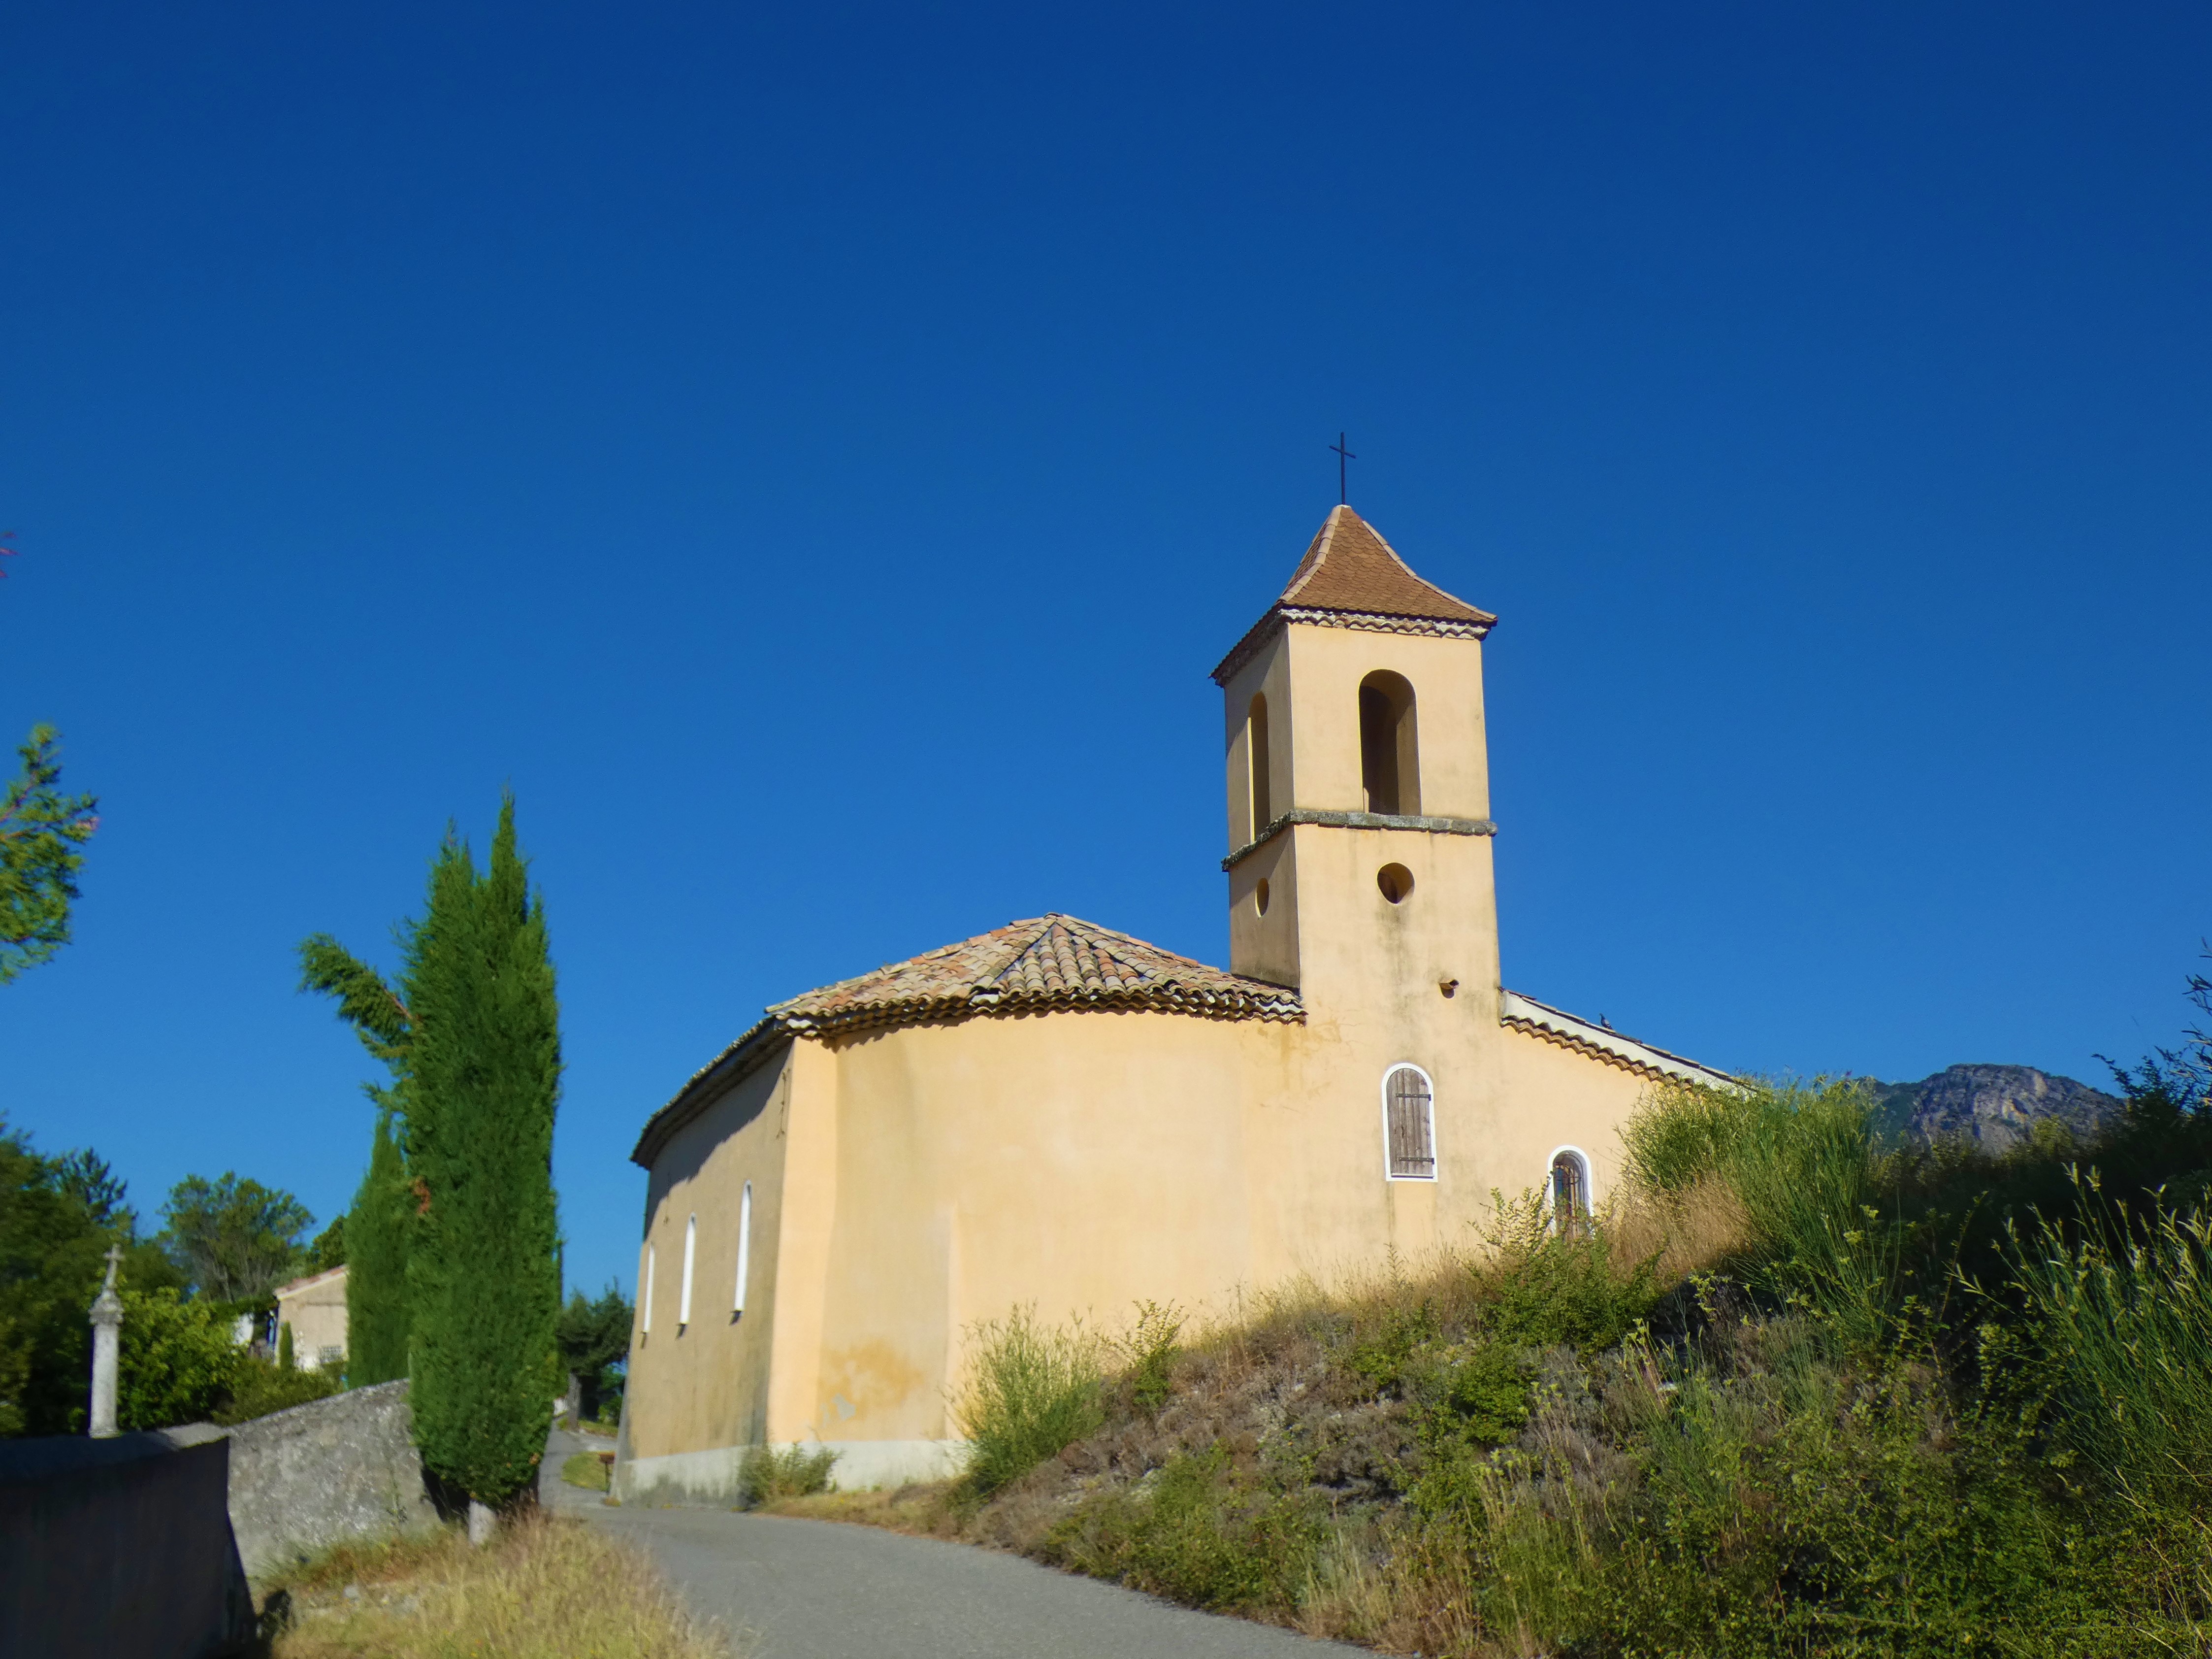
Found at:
(766, 1474)
(1195, 1532)
(1383, 1345)
(1544, 1287)
(1147, 1352)
(176, 1361)
(1032, 1391)
(262, 1385)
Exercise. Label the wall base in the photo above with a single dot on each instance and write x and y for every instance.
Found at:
(710, 1477)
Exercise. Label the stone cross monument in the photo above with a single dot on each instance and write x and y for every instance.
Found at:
(107, 1333)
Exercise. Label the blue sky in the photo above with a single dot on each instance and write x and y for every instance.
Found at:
(815, 455)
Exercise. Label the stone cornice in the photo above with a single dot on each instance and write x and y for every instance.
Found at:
(1375, 820)
(1377, 622)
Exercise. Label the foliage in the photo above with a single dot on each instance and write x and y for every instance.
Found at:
(484, 1079)
(378, 1230)
(2119, 1326)
(177, 1362)
(546, 1588)
(1546, 1285)
(1147, 1351)
(1032, 1390)
(593, 1337)
(42, 837)
(259, 1386)
(233, 1238)
(57, 1217)
(1196, 1532)
(327, 1249)
(380, 1224)
(766, 1474)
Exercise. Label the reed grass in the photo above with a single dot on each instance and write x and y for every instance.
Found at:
(545, 1588)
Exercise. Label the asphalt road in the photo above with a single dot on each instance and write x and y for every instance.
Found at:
(814, 1589)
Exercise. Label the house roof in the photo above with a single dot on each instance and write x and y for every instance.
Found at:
(1352, 577)
(1601, 1042)
(1047, 964)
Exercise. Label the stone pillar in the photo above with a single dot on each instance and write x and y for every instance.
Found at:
(107, 1337)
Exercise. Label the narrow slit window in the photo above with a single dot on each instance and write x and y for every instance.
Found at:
(645, 1302)
(684, 1290)
(744, 1246)
(1409, 1124)
(1255, 744)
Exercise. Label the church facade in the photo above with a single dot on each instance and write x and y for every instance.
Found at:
(1057, 1115)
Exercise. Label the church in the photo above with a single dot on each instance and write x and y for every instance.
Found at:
(1057, 1115)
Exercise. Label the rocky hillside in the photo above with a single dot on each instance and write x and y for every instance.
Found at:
(1995, 1107)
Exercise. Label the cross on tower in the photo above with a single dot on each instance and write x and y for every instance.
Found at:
(1342, 455)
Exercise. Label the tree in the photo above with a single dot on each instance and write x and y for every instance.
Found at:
(234, 1239)
(42, 834)
(378, 1226)
(55, 1229)
(484, 1079)
(177, 1364)
(377, 1232)
(594, 1338)
(328, 1250)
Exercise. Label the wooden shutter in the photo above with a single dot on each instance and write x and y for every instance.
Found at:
(1412, 1151)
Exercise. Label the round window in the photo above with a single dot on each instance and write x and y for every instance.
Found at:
(1260, 896)
(1395, 881)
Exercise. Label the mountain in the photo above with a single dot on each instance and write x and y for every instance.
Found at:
(1993, 1105)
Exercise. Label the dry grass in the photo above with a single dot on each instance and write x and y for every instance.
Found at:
(545, 1589)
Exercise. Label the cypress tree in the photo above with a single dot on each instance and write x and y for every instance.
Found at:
(376, 1264)
(377, 1228)
(484, 1273)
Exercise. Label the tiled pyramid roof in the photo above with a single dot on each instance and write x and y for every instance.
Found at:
(1351, 577)
(1048, 962)
(1044, 965)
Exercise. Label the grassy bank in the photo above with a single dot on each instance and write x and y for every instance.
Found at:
(545, 1589)
(1797, 1392)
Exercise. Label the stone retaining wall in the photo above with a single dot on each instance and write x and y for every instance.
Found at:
(332, 1469)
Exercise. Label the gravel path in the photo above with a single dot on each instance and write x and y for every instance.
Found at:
(814, 1589)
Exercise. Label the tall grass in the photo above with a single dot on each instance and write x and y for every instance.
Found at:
(2119, 1317)
(546, 1588)
(1032, 1390)
(768, 1474)
(1803, 1163)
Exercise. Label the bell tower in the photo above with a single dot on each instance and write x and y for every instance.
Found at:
(1359, 834)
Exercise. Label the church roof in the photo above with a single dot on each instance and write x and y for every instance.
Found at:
(1351, 577)
(1046, 965)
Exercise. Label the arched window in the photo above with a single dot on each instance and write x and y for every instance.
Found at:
(684, 1292)
(1570, 1194)
(1256, 747)
(1409, 1125)
(1389, 749)
(645, 1301)
(744, 1246)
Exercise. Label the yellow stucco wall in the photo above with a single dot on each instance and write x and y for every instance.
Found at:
(706, 1383)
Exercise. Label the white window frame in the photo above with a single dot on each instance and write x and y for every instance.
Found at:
(1436, 1160)
(1589, 1180)
(745, 1246)
(684, 1291)
(645, 1302)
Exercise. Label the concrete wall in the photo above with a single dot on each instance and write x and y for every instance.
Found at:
(332, 1469)
(113, 1547)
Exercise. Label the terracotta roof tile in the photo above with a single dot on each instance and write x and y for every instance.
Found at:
(1352, 577)
(1048, 962)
